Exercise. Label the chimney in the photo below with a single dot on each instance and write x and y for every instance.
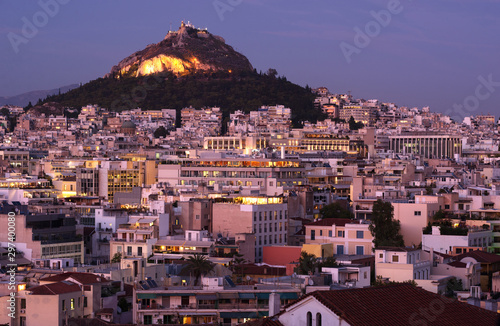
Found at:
(491, 305)
(274, 304)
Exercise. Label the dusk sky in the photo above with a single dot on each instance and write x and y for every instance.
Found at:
(430, 53)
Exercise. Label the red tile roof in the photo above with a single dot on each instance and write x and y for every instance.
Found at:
(401, 304)
(480, 256)
(458, 264)
(331, 221)
(55, 288)
(83, 278)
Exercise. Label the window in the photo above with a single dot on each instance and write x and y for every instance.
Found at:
(359, 234)
(129, 250)
(139, 251)
(85, 301)
(72, 304)
(340, 249)
(197, 216)
(148, 320)
(254, 216)
(340, 234)
(360, 250)
(417, 213)
(320, 232)
(64, 305)
(23, 303)
(313, 235)
(318, 319)
(309, 318)
(395, 258)
(381, 256)
(446, 206)
(330, 233)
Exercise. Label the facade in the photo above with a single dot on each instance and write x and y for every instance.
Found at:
(215, 301)
(45, 236)
(348, 237)
(444, 243)
(401, 264)
(427, 145)
(266, 217)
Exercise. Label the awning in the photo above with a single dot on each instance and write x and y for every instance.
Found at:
(175, 294)
(191, 313)
(228, 296)
(289, 295)
(246, 295)
(250, 314)
(206, 297)
(262, 296)
(146, 295)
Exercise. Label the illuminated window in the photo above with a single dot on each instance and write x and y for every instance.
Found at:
(72, 304)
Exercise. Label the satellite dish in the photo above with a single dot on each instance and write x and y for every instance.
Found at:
(248, 278)
(310, 282)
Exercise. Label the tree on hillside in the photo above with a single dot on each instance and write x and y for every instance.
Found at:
(353, 125)
(335, 210)
(384, 228)
(160, 132)
(199, 265)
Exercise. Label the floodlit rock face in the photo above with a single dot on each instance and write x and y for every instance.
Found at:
(186, 51)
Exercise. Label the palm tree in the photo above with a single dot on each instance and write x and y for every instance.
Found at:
(307, 263)
(199, 265)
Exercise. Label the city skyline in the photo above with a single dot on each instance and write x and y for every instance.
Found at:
(423, 54)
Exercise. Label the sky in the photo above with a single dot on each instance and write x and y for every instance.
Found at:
(438, 53)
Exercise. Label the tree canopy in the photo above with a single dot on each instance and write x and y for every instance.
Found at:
(335, 210)
(384, 228)
(353, 125)
(308, 263)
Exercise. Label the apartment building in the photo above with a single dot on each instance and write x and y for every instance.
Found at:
(401, 264)
(266, 217)
(262, 175)
(44, 236)
(348, 237)
(218, 300)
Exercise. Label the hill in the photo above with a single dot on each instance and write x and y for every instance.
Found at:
(190, 67)
(244, 91)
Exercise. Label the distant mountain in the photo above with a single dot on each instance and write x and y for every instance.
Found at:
(184, 52)
(33, 96)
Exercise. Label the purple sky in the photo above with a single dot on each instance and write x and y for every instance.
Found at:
(431, 53)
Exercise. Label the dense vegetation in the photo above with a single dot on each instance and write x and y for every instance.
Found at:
(245, 91)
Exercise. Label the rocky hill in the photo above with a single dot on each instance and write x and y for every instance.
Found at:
(186, 51)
